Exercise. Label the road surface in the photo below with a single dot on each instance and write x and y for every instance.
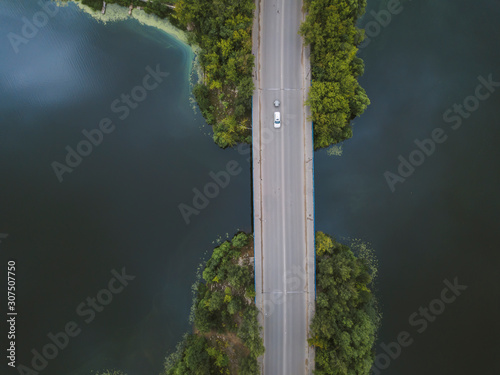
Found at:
(283, 189)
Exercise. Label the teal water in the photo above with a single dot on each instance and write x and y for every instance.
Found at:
(119, 207)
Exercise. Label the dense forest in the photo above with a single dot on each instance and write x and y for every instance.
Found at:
(226, 338)
(344, 326)
(222, 29)
(335, 97)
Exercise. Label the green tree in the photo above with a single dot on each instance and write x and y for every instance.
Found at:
(222, 29)
(345, 323)
(221, 305)
(335, 96)
(240, 240)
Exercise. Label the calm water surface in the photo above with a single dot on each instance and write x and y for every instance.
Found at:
(442, 222)
(119, 207)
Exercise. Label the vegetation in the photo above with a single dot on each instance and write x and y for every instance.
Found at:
(344, 327)
(158, 7)
(226, 338)
(222, 29)
(335, 97)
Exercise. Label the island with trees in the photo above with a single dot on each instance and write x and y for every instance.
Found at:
(344, 327)
(223, 31)
(226, 333)
(335, 96)
(226, 337)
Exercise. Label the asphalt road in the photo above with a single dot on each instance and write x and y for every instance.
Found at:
(283, 190)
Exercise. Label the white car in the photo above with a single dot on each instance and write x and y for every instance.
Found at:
(277, 120)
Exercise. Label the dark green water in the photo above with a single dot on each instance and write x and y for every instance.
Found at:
(119, 207)
(442, 222)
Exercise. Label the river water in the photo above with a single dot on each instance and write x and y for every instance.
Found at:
(442, 221)
(119, 207)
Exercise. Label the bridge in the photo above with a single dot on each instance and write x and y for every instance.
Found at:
(283, 188)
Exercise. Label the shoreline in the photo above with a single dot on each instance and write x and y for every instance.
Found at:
(116, 13)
